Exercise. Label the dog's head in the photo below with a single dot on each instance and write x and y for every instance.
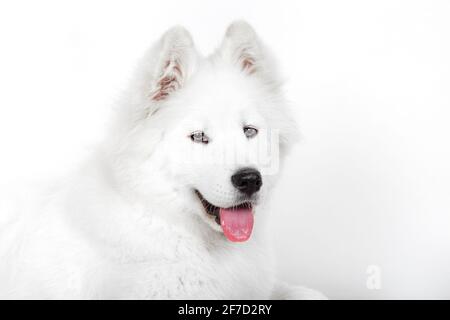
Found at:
(206, 132)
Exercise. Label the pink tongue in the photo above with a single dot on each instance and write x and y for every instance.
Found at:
(237, 224)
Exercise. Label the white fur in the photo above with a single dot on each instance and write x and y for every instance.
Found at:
(128, 224)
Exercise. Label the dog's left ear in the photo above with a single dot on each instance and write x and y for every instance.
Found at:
(242, 47)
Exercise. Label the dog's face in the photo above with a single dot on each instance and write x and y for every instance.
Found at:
(219, 148)
(220, 125)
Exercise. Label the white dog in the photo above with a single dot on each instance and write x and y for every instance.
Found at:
(173, 205)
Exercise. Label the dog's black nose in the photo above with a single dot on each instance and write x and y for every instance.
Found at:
(247, 181)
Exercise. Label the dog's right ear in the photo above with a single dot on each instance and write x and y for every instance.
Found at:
(175, 60)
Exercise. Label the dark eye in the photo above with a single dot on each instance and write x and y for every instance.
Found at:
(199, 136)
(250, 132)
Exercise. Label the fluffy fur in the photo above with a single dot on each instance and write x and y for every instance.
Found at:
(128, 224)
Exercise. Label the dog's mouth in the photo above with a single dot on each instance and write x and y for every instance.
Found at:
(236, 221)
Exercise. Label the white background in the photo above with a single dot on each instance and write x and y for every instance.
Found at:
(370, 83)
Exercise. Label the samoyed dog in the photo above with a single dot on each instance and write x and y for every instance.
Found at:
(174, 203)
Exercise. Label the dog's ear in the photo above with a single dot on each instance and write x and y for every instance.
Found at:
(242, 47)
(176, 55)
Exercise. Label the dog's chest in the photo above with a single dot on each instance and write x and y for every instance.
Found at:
(192, 272)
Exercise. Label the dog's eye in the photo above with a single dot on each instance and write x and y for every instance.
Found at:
(199, 136)
(250, 132)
